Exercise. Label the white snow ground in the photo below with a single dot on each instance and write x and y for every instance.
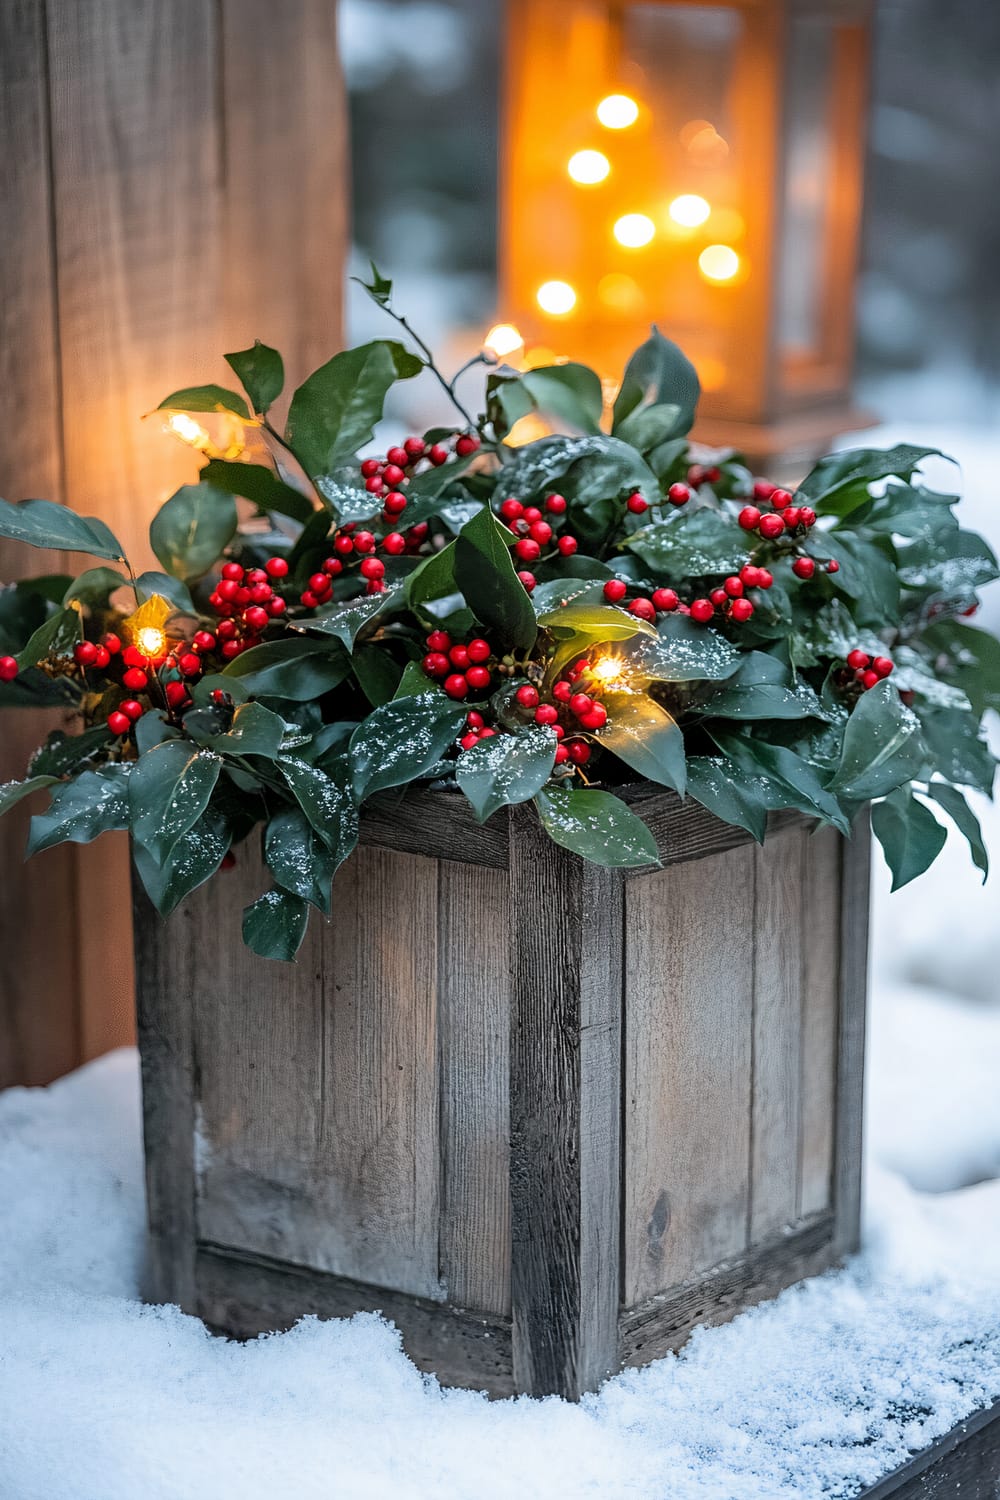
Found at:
(813, 1395)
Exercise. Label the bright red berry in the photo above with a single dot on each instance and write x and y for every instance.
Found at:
(528, 549)
(456, 685)
(529, 580)
(131, 709)
(227, 590)
(702, 610)
(555, 504)
(581, 703)
(546, 713)
(111, 643)
(532, 514)
(175, 693)
(803, 567)
(765, 578)
(439, 640)
(833, 566)
(103, 658)
(436, 664)
(770, 526)
(459, 657)
(578, 751)
(398, 456)
(466, 444)
(479, 650)
(781, 499)
(807, 516)
(541, 531)
(883, 665)
(857, 660)
(262, 592)
(394, 503)
(595, 718)
(718, 597)
(733, 586)
(119, 723)
(369, 466)
(750, 576)
(374, 486)
(394, 544)
(276, 606)
(512, 510)
(204, 640)
(567, 545)
(319, 583)
(562, 755)
(749, 517)
(438, 454)
(478, 678)
(414, 447)
(474, 720)
(133, 657)
(763, 489)
(364, 542)
(740, 610)
(343, 544)
(527, 696)
(372, 567)
(487, 733)
(333, 566)
(189, 664)
(679, 494)
(562, 690)
(665, 600)
(85, 654)
(637, 503)
(232, 573)
(257, 617)
(135, 679)
(229, 649)
(870, 679)
(468, 740)
(308, 599)
(792, 517)
(393, 474)
(615, 590)
(643, 609)
(8, 668)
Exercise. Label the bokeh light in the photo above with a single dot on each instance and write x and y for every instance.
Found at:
(588, 167)
(634, 230)
(617, 112)
(502, 339)
(689, 210)
(556, 298)
(718, 263)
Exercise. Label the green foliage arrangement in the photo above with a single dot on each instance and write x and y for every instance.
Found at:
(544, 622)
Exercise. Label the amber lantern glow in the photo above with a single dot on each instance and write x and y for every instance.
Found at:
(697, 166)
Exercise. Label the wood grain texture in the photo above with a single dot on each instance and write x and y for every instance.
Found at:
(820, 981)
(964, 1463)
(565, 1093)
(852, 1010)
(777, 940)
(474, 932)
(247, 1295)
(39, 1021)
(687, 1069)
(684, 830)
(439, 824)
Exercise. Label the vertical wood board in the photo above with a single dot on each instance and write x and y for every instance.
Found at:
(820, 979)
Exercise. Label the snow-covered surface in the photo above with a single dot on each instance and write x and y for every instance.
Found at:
(813, 1395)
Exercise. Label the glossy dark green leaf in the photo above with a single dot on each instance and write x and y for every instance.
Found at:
(968, 658)
(56, 637)
(956, 748)
(570, 393)
(955, 805)
(297, 668)
(883, 746)
(789, 774)
(206, 398)
(764, 688)
(659, 373)
(299, 859)
(684, 652)
(507, 769)
(956, 566)
(379, 288)
(597, 826)
(255, 730)
(731, 794)
(415, 683)
(190, 531)
(41, 523)
(194, 859)
(261, 372)
(324, 797)
(839, 484)
(485, 574)
(346, 498)
(910, 835)
(700, 543)
(63, 753)
(275, 924)
(334, 412)
(345, 618)
(12, 792)
(911, 511)
(643, 735)
(261, 486)
(402, 741)
(172, 589)
(94, 802)
(168, 790)
(94, 587)
(378, 674)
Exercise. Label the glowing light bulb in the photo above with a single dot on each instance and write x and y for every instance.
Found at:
(718, 263)
(617, 112)
(556, 298)
(588, 167)
(502, 339)
(634, 230)
(187, 429)
(151, 641)
(689, 210)
(606, 669)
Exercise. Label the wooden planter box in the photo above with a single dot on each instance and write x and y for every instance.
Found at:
(544, 1116)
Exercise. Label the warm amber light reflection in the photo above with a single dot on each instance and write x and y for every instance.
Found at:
(588, 167)
(556, 298)
(617, 112)
(718, 263)
(187, 429)
(502, 339)
(689, 210)
(634, 230)
(606, 669)
(151, 641)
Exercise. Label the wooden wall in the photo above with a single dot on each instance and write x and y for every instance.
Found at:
(172, 185)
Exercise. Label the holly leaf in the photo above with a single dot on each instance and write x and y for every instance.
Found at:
(261, 372)
(326, 801)
(970, 660)
(379, 288)
(194, 859)
(300, 861)
(955, 565)
(883, 746)
(731, 793)
(378, 674)
(334, 412)
(261, 486)
(255, 730)
(956, 748)
(192, 529)
(571, 393)
(685, 652)
(41, 523)
(94, 587)
(793, 779)
(658, 372)
(764, 688)
(168, 790)
(840, 483)
(63, 753)
(955, 805)
(56, 637)
(347, 617)
(12, 792)
(206, 398)
(597, 826)
(275, 924)
(486, 577)
(152, 584)
(911, 511)
(910, 835)
(402, 741)
(646, 737)
(297, 668)
(507, 769)
(94, 802)
(701, 543)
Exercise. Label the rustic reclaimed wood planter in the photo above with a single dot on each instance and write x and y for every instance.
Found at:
(544, 1116)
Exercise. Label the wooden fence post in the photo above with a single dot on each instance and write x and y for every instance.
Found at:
(172, 185)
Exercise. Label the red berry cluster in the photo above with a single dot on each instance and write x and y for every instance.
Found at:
(868, 671)
(461, 668)
(349, 542)
(783, 517)
(383, 477)
(246, 603)
(536, 534)
(568, 703)
(677, 494)
(730, 598)
(476, 729)
(699, 474)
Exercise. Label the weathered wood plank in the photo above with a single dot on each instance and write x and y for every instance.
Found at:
(664, 1322)
(684, 830)
(474, 931)
(439, 824)
(777, 939)
(39, 1016)
(246, 1295)
(688, 958)
(965, 1462)
(820, 976)
(565, 1101)
(854, 918)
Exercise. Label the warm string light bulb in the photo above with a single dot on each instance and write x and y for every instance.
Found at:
(718, 263)
(634, 230)
(588, 167)
(689, 210)
(617, 112)
(187, 429)
(503, 339)
(556, 298)
(151, 641)
(606, 669)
